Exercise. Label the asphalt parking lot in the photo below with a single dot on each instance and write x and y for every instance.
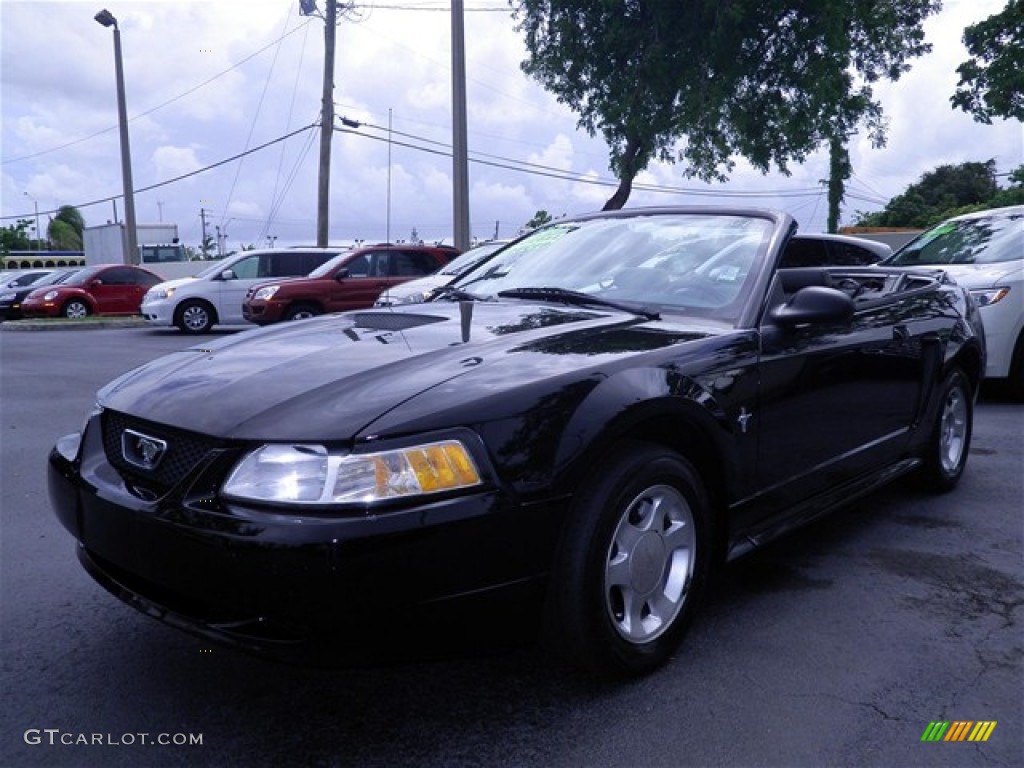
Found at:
(837, 646)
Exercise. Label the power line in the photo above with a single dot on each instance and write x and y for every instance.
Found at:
(181, 177)
(158, 106)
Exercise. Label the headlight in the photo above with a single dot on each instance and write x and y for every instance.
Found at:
(310, 474)
(50, 295)
(415, 298)
(155, 294)
(265, 293)
(987, 296)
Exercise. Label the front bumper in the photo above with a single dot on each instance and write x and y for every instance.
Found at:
(319, 589)
(40, 309)
(159, 312)
(263, 312)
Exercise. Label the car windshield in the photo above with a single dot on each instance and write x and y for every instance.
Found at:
(982, 240)
(697, 263)
(83, 276)
(470, 259)
(328, 266)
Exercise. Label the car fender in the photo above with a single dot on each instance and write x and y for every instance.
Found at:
(654, 404)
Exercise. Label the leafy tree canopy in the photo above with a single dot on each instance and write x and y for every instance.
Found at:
(768, 80)
(15, 237)
(65, 229)
(540, 218)
(992, 80)
(947, 191)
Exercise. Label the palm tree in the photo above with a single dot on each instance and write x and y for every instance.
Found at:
(65, 229)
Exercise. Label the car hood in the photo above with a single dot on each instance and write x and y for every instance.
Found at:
(984, 275)
(176, 283)
(419, 285)
(329, 377)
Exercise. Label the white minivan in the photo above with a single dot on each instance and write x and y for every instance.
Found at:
(215, 295)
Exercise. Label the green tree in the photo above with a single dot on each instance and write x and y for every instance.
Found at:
(992, 80)
(65, 229)
(941, 193)
(701, 81)
(540, 218)
(15, 237)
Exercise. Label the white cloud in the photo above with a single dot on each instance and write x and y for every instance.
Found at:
(172, 162)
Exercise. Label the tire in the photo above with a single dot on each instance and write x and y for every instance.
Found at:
(76, 309)
(1016, 382)
(302, 312)
(632, 565)
(194, 317)
(950, 439)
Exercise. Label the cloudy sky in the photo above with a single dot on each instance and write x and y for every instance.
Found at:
(207, 80)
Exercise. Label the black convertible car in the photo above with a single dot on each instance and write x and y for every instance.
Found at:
(583, 428)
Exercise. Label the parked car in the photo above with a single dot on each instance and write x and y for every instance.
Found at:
(350, 281)
(821, 249)
(984, 252)
(21, 277)
(104, 289)
(214, 296)
(420, 288)
(11, 298)
(560, 432)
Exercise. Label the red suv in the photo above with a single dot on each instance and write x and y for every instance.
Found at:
(351, 280)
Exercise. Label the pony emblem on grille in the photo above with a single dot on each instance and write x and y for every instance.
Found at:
(142, 450)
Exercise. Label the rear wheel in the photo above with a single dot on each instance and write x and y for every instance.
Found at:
(75, 309)
(950, 440)
(633, 563)
(302, 312)
(194, 317)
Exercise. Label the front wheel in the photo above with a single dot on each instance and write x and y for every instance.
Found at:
(194, 317)
(950, 440)
(301, 312)
(633, 562)
(76, 309)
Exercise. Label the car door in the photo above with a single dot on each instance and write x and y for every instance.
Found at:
(230, 292)
(836, 399)
(405, 265)
(363, 280)
(111, 290)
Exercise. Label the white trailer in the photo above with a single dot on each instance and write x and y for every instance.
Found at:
(159, 248)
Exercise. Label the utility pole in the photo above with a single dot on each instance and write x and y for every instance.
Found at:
(460, 159)
(326, 126)
(202, 215)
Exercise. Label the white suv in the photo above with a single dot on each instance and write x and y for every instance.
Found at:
(984, 252)
(215, 295)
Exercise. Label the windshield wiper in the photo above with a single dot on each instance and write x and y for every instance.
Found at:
(455, 294)
(578, 298)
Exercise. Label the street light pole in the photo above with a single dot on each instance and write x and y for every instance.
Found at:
(36, 204)
(106, 18)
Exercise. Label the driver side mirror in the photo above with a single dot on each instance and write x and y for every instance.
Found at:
(341, 274)
(96, 283)
(228, 274)
(811, 305)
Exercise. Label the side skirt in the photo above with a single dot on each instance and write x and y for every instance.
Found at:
(813, 508)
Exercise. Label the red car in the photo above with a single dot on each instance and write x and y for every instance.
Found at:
(105, 289)
(351, 280)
